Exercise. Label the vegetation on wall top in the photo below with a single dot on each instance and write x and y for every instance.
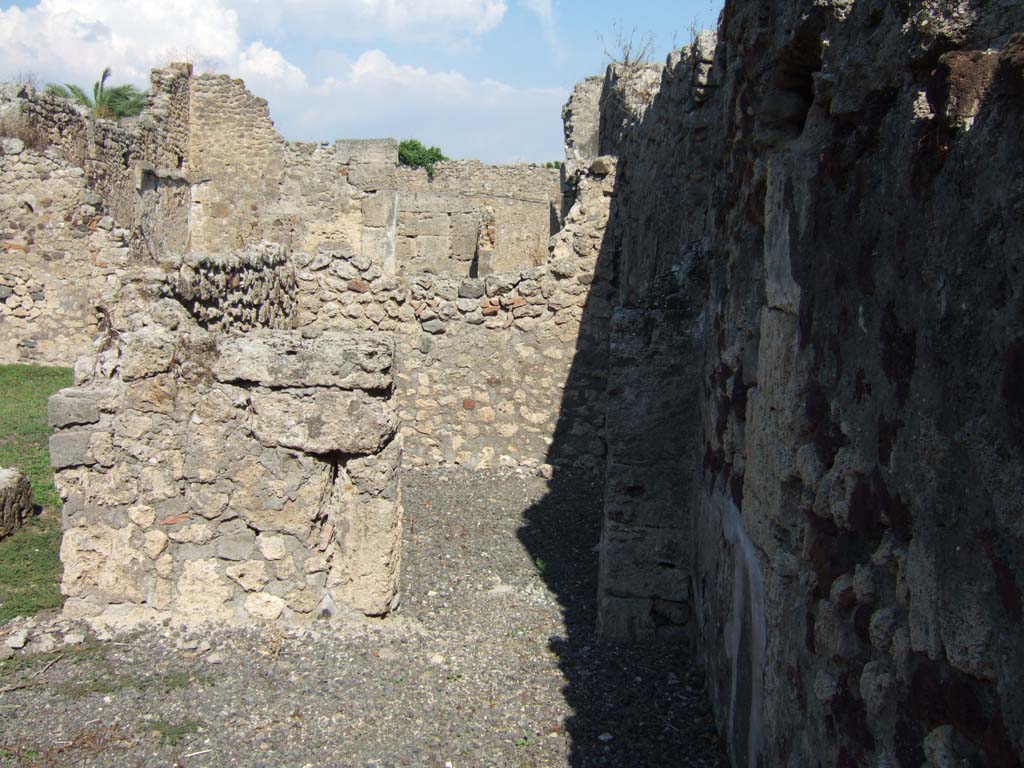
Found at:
(413, 153)
(108, 103)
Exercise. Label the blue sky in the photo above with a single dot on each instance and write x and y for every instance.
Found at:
(480, 78)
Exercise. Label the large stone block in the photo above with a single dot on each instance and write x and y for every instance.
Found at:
(71, 449)
(371, 177)
(73, 407)
(420, 223)
(377, 151)
(323, 422)
(286, 359)
(379, 210)
(146, 353)
(645, 562)
(103, 563)
(15, 501)
(367, 563)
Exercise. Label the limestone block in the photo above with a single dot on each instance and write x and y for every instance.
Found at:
(103, 563)
(280, 492)
(203, 592)
(15, 501)
(323, 422)
(379, 209)
(472, 289)
(366, 567)
(251, 575)
(465, 234)
(371, 177)
(436, 249)
(146, 353)
(645, 563)
(263, 606)
(73, 407)
(418, 224)
(71, 449)
(626, 619)
(359, 151)
(376, 244)
(155, 395)
(377, 475)
(286, 359)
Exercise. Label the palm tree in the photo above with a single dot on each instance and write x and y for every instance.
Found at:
(108, 103)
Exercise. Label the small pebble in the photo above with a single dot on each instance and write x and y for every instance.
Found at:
(17, 639)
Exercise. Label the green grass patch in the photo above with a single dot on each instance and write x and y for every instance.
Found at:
(24, 390)
(30, 559)
(32, 662)
(107, 681)
(173, 733)
(30, 568)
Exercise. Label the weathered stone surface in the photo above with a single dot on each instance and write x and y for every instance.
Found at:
(369, 543)
(72, 407)
(848, 464)
(71, 449)
(251, 575)
(204, 500)
(324, 422)
(104, 564)
(279, 359)
(203, 592)
(15, 501)
(146, 353)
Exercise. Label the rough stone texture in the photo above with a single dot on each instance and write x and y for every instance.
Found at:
(484, 363)
(56, 262)
(15, 501)
(276, 359)
(826, 190)
(197, 487)
(202, 172)
(254, 288)
(247, 231)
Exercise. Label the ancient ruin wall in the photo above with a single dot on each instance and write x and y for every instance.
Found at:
(823, 208)
(133, 164)
(222, 475)
(60, 257)
(517, 207)
(235, 164)
(484, 363)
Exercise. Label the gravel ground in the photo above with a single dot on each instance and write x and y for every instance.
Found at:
(490, 661)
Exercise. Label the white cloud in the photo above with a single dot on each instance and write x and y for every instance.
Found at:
(263, 63)
(376, 96)
(544, 10)
(76, 39)
(372, 95)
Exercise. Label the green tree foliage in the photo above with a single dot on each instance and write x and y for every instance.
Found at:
(108, 103)
(411, 152)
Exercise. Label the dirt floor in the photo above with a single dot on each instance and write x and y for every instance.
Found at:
(491, 661)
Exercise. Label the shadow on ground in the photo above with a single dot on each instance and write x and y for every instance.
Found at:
(633, 705)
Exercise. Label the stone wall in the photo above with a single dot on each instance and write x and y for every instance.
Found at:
(219, 475)
(60, 256)
(813, 232)
(133, 164)
(202, 181)
(255, 288)
(235, 164)
(484, 363)
(521, 207)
